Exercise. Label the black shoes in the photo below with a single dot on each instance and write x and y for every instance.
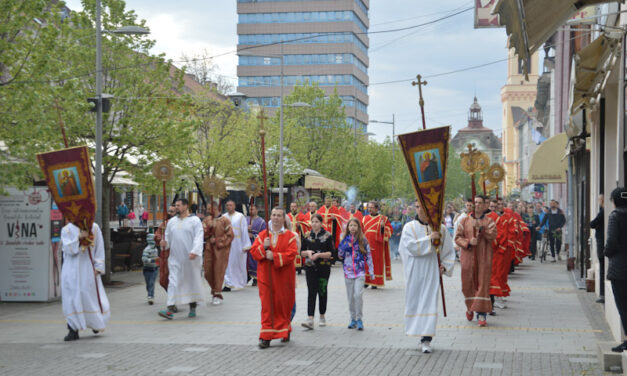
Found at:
(226, 289)
(264, 343)
(72, 335)
(286, 339)
(600, 300)
(254, 282)
(620, 348)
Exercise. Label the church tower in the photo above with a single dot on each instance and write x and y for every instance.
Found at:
(518, 93)
(475, 133)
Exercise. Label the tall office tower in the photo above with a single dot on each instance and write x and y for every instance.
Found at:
(323, 41)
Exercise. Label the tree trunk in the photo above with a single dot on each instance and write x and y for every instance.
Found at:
(106, 231)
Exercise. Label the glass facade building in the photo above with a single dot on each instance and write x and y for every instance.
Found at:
(320, 41)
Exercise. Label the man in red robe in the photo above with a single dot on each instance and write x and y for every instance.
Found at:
(474, 236)
(275, 251)
(330, 213)
(521, 232)
(164, 253)
(354, 213)
(502, 256)
(378, 230)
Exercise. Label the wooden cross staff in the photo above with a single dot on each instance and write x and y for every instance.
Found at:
(420, 83)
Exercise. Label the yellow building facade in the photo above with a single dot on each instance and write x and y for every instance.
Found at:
(517, 94)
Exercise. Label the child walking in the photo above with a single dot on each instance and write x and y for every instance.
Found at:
(354, 251)
(151, 269)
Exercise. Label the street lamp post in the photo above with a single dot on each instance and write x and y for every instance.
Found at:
(127, 30)
(393, 146)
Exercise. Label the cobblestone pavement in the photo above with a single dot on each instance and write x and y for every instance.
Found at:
(549, 328)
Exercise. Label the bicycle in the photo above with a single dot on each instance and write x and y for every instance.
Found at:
(544, 245)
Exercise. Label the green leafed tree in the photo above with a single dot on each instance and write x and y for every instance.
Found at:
(52, 90)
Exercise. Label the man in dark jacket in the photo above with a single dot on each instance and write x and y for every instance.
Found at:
(616, 252)
(599, 234)
(556, 220)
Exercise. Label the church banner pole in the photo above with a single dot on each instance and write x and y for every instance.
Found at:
(262, 133)
(420, 82)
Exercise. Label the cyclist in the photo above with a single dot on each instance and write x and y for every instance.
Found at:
(555, 219)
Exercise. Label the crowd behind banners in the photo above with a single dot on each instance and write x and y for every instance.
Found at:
(488, 237)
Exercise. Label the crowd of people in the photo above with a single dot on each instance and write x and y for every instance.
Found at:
(489, 238)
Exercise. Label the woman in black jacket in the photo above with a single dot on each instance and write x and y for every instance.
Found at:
(616, 252)
(317, 251)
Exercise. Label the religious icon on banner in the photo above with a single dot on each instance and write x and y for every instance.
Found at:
(69, 178)
(67, 182)
(430, 166)
(426, 154)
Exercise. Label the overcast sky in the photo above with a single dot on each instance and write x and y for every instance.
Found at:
(190, 26)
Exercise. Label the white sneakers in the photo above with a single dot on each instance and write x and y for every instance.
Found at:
(216, 301)
(500, 303)
(309, 324)
(323, 322)
(426, 347)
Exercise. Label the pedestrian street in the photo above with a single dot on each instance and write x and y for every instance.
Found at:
(548, 329)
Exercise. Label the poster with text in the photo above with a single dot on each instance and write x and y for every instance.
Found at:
(25, 246)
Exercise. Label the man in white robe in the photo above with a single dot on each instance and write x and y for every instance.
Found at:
(184, 237)
(236, 275)
(80, 277)
(422, 275)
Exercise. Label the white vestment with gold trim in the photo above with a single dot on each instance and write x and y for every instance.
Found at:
(185, 283)
(422, 282)
(236, 275)
(78, 285)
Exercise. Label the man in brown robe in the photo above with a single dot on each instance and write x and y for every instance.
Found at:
(164, 253)
(218, 238)
(474, 237)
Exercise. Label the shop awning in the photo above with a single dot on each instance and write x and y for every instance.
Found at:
(325, 184)
(592, 66)
(529, 23)
(548, 164)
(120, 180)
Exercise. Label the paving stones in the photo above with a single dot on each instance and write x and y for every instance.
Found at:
(543, 331)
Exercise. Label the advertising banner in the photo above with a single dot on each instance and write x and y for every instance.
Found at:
(483, 14)
(29, 266)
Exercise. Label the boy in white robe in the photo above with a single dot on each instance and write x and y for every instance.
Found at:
(184, 237)
(85, 303)
(422, 275)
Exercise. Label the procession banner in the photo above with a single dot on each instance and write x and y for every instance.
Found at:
(68, 175)
(426, 153)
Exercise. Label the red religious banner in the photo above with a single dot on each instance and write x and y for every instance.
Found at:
(426, 153)
(69, 178)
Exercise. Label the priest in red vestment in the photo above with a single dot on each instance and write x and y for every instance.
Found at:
(275, 250)
(330, 214)
(294, 227)
(378, 231)
(474, 236)
(503, 251)
(354, 213)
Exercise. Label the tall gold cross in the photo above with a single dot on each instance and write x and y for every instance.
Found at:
(419, 83)
(261, 116)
